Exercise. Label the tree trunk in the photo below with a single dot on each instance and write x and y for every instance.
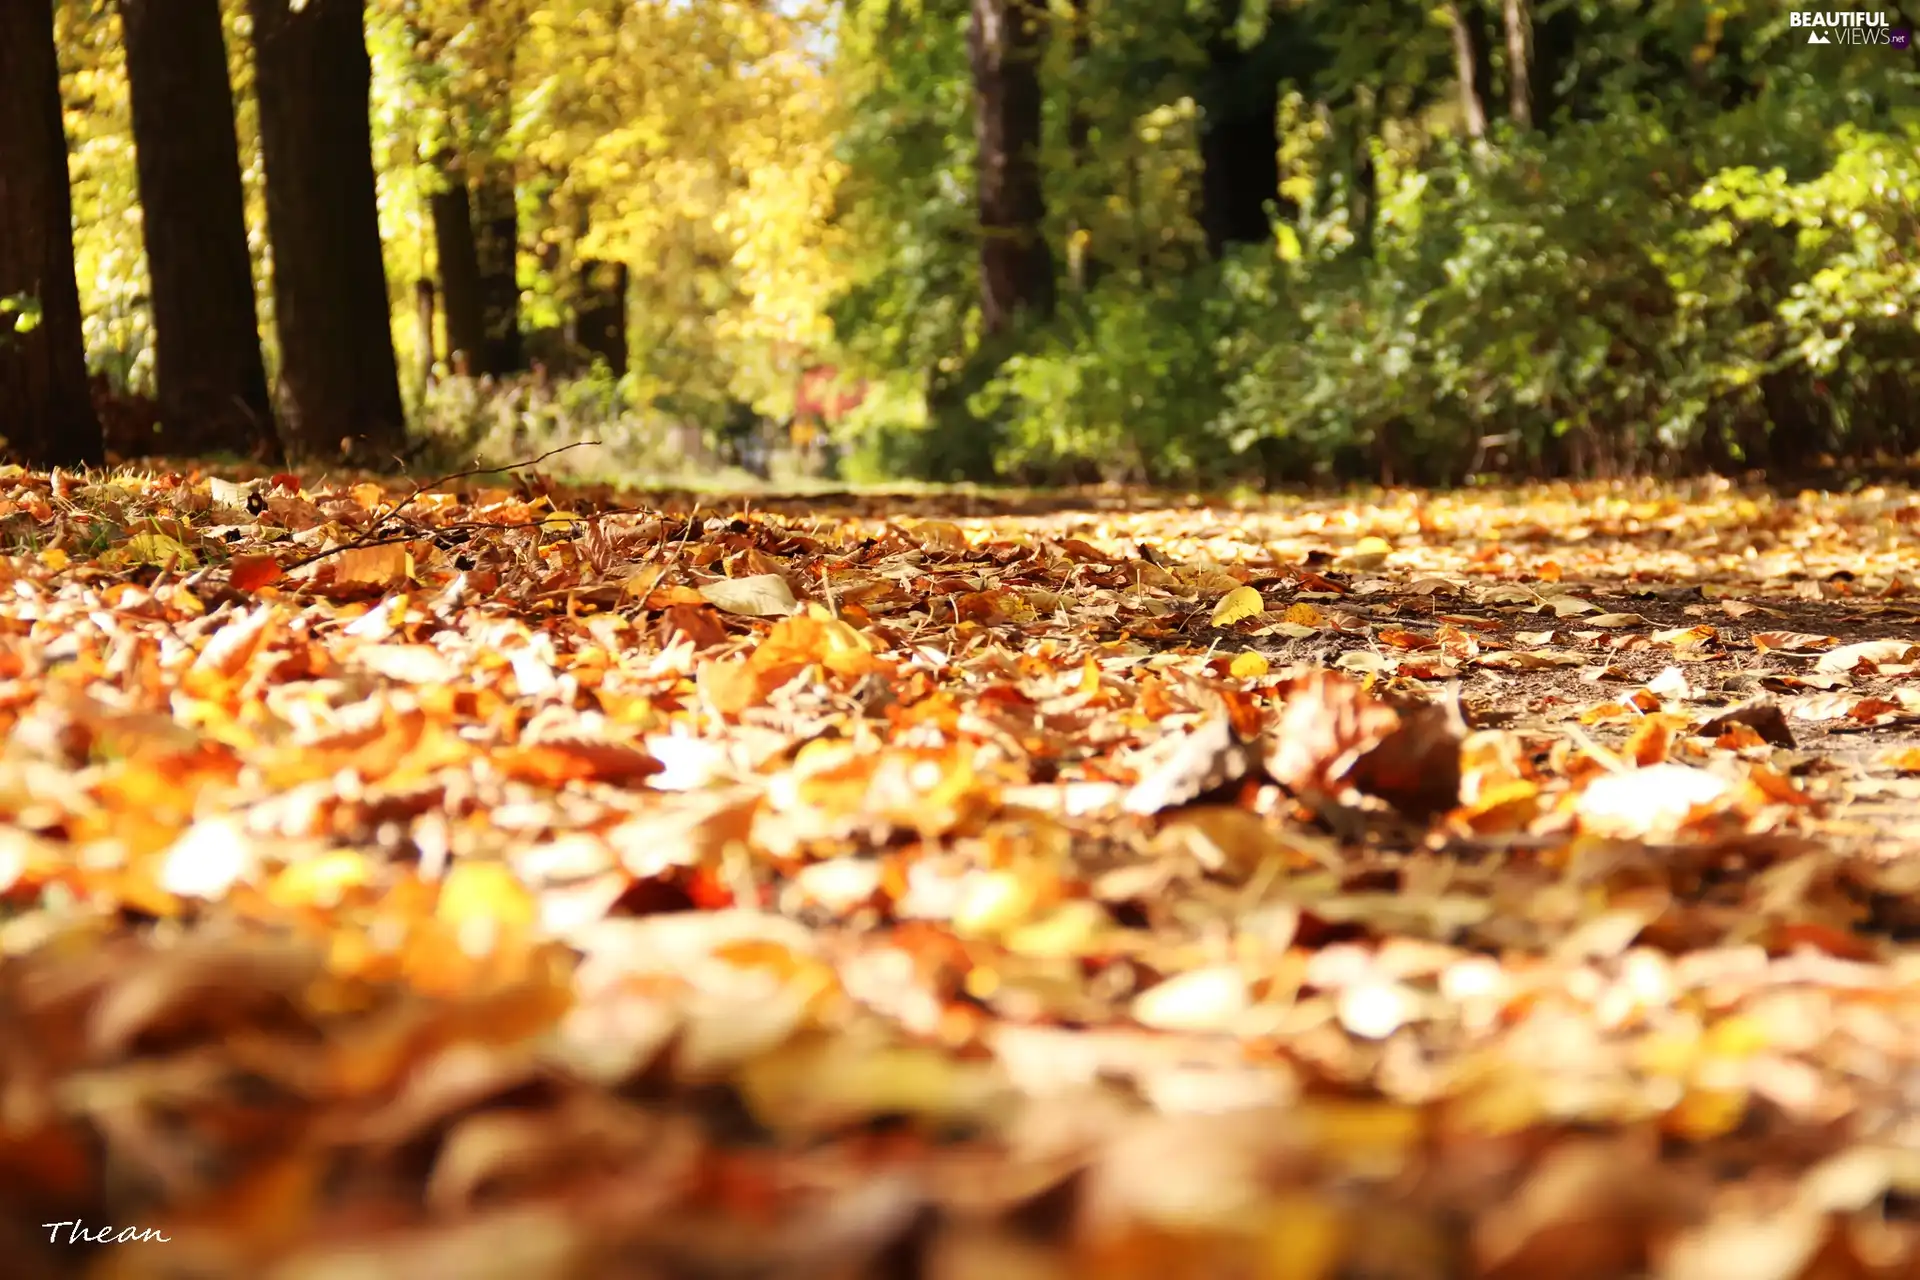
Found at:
(1083, 262)
(1363, 195)
(496, 236)
(423, 309)
(1016, 268)
(1468, 54)
(1239, 144)
(1519, 21)
(212, 385)
(1555, 43)
(46, 415)
(600, 311)
(459, 267)
(329, 283)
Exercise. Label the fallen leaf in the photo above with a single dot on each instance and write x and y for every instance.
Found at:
(764, 595)
(382, 567)
(1238, 605)
(1201, 1000)
(249, 573)
(1646, 803)
(1869, 654)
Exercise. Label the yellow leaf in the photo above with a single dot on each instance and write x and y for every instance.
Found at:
(1286, 242)
(1239, 603)
(819, 1084)
(55, 558)
(1368, 553)
(1305, 615)
(995, 901)
(321, 881)
(158, 548)
(1707, 1113)
(1250, 666)
(484, 891)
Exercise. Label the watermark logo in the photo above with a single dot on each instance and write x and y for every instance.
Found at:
(1852, 27)
(77, 1233)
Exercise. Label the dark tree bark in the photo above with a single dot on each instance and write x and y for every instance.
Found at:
(1363, 196)
(212, 386)
(459, 267)
(329, 283)
(46, 415)
(1083, 260)
(1470, 78)
(1239, 142)
(496, 236)
(1557, 36)
(1519, 23)
(423, 309)
(1016, 268)
(600, 311)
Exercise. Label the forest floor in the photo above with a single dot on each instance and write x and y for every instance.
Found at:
(504, 881)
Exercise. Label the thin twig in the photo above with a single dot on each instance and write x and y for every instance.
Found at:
(437, 481)
(462, 526)
(372, 535)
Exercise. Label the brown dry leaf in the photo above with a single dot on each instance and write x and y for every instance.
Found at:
(987, 898)
(1763, 716)
(763, 595)
(1791, 642)
(1590, 1210)
(382, 567)
(1183, 768)
(1416, 767)
(1686, 637)
(1868, 655)
(221, 982)
(1326, 723)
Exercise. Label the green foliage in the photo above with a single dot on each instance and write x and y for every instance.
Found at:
(1115, 389)
(1675, 271)
(20, 313)
(1698, 253)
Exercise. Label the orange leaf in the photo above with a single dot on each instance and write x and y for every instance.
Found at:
(558, 762)
(252, 572)
(382, 566)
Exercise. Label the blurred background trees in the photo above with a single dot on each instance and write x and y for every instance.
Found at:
(1177, 241)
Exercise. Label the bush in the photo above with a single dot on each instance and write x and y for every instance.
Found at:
(1627, 292)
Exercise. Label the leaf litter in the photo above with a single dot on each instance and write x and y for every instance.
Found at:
(510, 881)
